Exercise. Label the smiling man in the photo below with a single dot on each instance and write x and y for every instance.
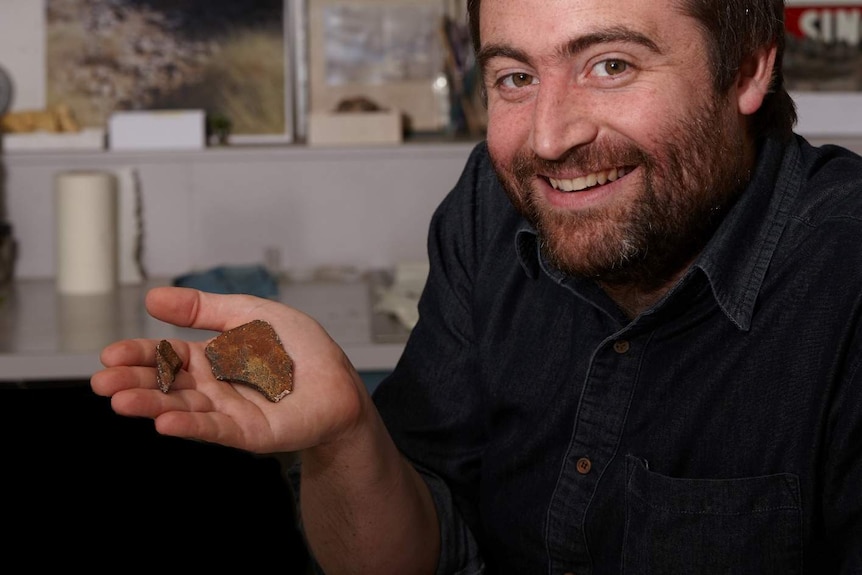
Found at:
(639, 344)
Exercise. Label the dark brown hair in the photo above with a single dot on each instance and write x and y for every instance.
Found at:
(734, 30)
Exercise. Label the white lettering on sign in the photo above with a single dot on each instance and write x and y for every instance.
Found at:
(830, 26)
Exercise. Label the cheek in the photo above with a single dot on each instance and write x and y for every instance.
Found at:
(641, 122)
(508, 132)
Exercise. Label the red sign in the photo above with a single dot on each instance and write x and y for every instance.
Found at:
(827, 23)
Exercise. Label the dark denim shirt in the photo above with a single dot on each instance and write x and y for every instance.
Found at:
(718, 432)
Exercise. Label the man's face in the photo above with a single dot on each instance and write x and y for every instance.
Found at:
(607, 135)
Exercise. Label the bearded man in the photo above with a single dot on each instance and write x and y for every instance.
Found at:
(639, 343)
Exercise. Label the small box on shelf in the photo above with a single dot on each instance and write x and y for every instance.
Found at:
(157, 130)
(352, 128)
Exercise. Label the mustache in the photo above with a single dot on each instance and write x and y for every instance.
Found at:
(585, 159)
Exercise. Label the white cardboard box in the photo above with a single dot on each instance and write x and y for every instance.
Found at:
(344, 128)
(157, 130)
(86, 139)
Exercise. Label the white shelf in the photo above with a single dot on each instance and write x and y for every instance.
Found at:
(243, 153)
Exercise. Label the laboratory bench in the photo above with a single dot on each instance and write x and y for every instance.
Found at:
(48, 336)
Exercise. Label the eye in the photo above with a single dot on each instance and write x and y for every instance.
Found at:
(517, 80)
(610, 67)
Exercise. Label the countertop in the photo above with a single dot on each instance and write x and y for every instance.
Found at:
(47, 336)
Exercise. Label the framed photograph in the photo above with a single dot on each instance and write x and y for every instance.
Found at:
(234, 60)
(388, 53)
(823, 65)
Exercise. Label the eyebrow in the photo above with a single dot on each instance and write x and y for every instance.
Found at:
(617, 34)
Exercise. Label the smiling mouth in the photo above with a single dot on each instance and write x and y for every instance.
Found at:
(588, 181)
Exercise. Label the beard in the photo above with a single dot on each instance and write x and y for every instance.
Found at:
(686, 189)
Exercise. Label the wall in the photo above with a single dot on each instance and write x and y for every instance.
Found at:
(363, 207)
(22, 50)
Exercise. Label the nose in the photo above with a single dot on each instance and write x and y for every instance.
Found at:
(562, 119)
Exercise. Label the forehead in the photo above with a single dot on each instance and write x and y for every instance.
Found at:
(547, 22)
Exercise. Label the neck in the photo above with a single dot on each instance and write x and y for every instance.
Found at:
(633, 300)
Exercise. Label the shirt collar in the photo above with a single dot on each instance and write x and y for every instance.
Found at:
(737, 257)
(527, 248)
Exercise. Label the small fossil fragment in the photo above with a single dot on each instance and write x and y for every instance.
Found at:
(168, 363)
(252, 354)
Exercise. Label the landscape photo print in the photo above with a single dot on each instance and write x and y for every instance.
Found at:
(225, 57)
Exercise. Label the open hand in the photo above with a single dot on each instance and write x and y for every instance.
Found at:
(328, 398)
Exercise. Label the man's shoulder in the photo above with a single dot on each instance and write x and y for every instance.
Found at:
(476, 222)
(478, 175)
(831, 180)
(826, 218)
(478, 197)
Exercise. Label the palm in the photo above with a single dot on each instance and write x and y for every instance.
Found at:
(325, 401)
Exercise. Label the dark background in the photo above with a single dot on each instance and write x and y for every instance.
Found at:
(84, 487)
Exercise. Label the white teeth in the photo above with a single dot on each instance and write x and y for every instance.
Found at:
(584, 182)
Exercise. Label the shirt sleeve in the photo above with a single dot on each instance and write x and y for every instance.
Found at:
(459, 552)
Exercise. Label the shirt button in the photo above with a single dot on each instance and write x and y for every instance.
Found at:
(621, 346)
(584, 465)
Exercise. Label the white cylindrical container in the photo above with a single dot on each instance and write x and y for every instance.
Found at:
(86, 205)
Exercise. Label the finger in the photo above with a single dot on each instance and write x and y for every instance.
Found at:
(139, 352)
(212, 427)
(191, 414)
(112, 380)
(118, 378)
(187, 307)
(152, 403)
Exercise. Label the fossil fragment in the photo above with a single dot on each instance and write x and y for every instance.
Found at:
(252, 354)
(168, 363)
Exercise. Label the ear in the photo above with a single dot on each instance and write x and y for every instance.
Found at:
(755, 79)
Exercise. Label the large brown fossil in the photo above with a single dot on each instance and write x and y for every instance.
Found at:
(252, 354)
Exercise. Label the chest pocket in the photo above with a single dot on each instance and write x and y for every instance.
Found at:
(705, 526)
